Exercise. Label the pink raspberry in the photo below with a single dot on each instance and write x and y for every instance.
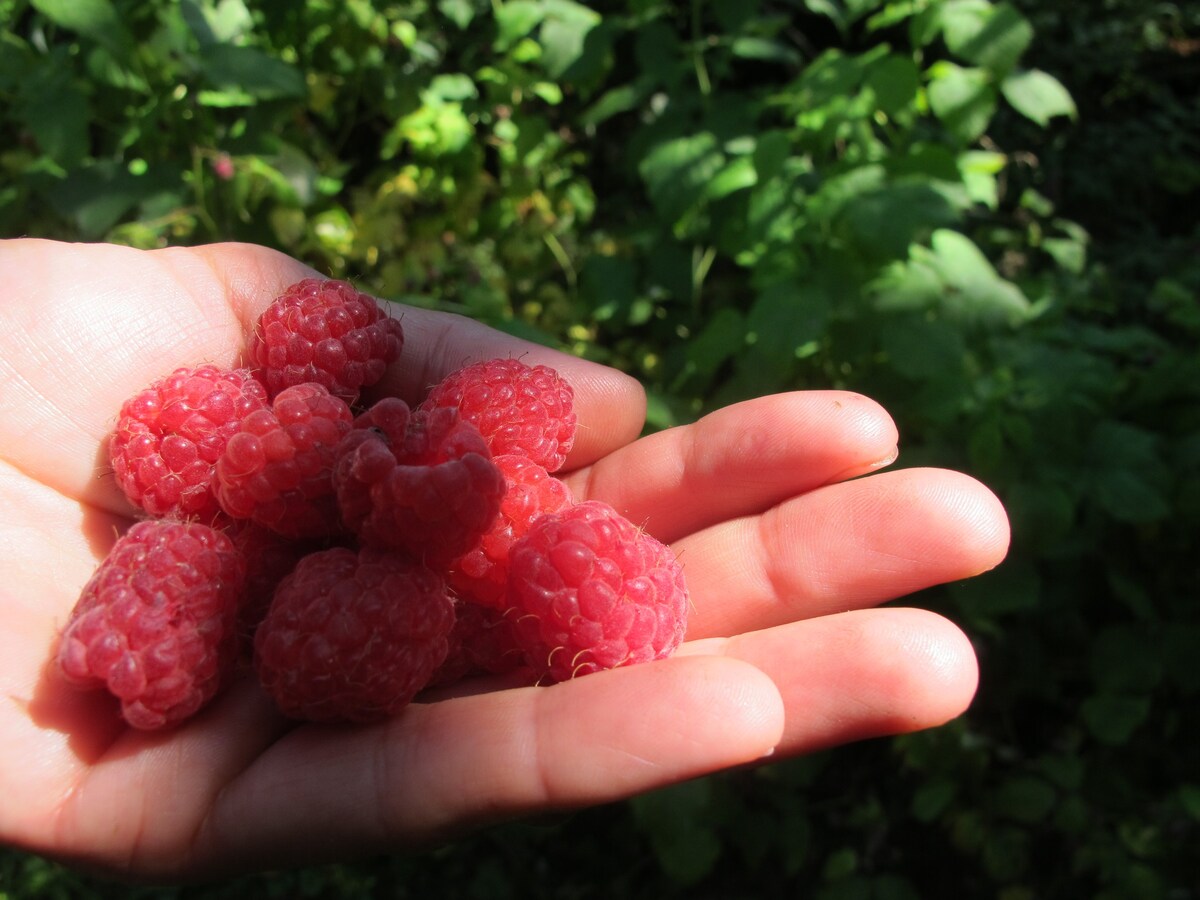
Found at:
(155, 624)
(325, 331)
(424, 484)
(481, 574)
(269, 557)
(277, 469)
(588, 591)
(168, 438)
(481, 643)
(519, 409)
(353, 636)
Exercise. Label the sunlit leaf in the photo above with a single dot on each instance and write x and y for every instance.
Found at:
(1038, 96)
(964, 99)
(95, 19)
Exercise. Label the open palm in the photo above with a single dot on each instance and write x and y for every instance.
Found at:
(785, 550)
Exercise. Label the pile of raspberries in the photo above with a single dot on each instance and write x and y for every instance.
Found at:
(352, 554)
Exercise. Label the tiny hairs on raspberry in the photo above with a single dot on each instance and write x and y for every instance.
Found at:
(349, 555)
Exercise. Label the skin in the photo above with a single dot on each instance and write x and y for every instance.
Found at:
(786, 550)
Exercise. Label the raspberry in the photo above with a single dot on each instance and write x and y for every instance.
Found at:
(325, 331)
(424, 483)
(277, 469)
(268, 557)
(481, 643)
(155, 624)
(353, 636)
(519, 409)
(481, 574)
(168, 438)
(589, 591)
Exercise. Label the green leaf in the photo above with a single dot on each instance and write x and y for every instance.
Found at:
(1129, 497)
(843, 13)
(765, 50)
(1128, 472)
(1113, 718)
(979, 169)
(886, 221)
(622, 98)
(565, 28)
(95, 19)
(722, 337)
(964, 99)
(1024, 798)
(1126, 659)
(932, 799)
(771, 151)
(450, 87)
(895, 82)
(677, 172)
(892, 14)
(95, 197)
(250, 71)
(609, 283)
(1038, 96)
(1070, 254)
(975, 290)
(516, 19)
(993, 37)
(1189, 798)
(222, 23)
(785, 318)
(680, 826)
(460, 12)
(737, 175)
(55, 108)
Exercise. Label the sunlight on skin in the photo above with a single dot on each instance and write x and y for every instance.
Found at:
(784, 556)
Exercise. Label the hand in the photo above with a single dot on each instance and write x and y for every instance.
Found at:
(785, 553)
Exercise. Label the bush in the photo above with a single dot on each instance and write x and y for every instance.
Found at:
(728, 199)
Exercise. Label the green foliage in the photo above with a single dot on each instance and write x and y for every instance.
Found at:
(980, 213)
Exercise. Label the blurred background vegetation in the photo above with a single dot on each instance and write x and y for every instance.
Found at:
(981, 213)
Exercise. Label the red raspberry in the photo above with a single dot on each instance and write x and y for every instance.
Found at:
(277, 469)
(353, 636)
(519, 409)
(481, 574)
(155, 624)
(269, 557)
(588, 591)
(325, 331)
(168, 438)
(424, 484)
(481, 643)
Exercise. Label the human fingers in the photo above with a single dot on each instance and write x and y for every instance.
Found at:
(334, 793)
(860, 674)
(840, 547)
(741, 459)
